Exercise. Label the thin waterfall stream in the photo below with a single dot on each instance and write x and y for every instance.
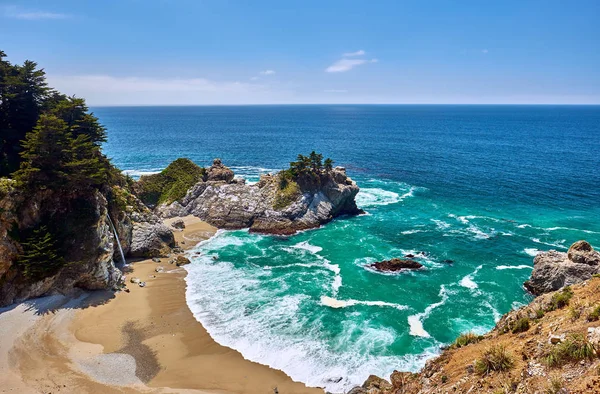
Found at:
(118, 241)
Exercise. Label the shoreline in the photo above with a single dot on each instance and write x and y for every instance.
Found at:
(144, 340)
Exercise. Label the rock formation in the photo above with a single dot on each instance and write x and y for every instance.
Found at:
(266, 207)
(553, 270)
(396, 264)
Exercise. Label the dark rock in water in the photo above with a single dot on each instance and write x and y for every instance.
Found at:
(409, 256)
(553, 270)
(396, 265)
(218, 172)
(448, 261)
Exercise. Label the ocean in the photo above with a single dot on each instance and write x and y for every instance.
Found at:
(472, 191)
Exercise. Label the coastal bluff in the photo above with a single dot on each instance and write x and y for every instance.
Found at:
(278, 204)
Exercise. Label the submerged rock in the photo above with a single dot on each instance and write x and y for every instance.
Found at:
(396, 264)
(553, 270)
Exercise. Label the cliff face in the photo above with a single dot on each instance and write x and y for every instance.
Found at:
(551, 345)
(87, 243)
(88, 248)
(267, 207)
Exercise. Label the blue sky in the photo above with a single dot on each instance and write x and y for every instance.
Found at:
(130, 52)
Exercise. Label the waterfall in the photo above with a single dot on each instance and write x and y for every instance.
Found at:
(117, 238)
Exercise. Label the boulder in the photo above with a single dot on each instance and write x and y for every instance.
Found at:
(151, 239)
(178, 224)
(396, 264)
(218, 172)
(182, 260)
(377, 383)
(553, 270)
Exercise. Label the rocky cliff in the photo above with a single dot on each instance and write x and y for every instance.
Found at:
(550, 346)
(85, 246)
(273, 205)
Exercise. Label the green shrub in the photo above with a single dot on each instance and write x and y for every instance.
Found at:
(594, 315)
(466, 339)
(495, 358)
(40, 257)
(574, 348)
(539, 313)
(288, 192)
(521, 325)
(171, 184)
(560, 299)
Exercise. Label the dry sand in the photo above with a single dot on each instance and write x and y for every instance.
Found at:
(144, 341)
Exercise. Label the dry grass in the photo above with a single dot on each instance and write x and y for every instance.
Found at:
(574, 348)
(466, 339)
(494, 358)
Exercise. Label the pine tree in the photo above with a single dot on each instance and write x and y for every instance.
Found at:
(40, 257)
(328, 164)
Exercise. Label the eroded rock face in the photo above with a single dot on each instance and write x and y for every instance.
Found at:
(396, 265)
(150, 237)
(228, 204)
(553, 270)
(91, 251)
(218, 172)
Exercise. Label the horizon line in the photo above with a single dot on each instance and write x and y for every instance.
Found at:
(307, 104)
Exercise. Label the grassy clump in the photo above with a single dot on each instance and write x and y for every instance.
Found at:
(466, 339)
(574, 348)
(521, 325)
(594, 315)
(539, 313)
(288, 191)
(495, 358)
(171, 184)
(560, 299)
(555, 386)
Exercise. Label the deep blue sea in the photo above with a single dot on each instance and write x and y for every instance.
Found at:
(483, 186)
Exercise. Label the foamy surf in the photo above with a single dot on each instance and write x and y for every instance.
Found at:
(514, 267)
(335, 303)
(369, 197)
(468, 281)
(415, 322)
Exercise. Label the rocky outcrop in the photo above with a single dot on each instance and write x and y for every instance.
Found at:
(266, 207)
(396, 264)
(88, 246)
(553, 270)
(218, 172)
(150, 237)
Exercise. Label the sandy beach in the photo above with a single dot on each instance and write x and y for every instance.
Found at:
(142, 341)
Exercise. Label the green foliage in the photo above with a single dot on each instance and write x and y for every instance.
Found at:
(288, 192)
(560, 299)
(6, 186)
(521, 325)
(466, 339)
(171, 184)
(309, 165)
(40, 257)
(23, 93)
(539, 313)
(574, 348)
(594, 315)
(495, 358)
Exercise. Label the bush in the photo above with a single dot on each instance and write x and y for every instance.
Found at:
(594, 315)
(539, 313)
(466, 339)
(560, 299)
(555, 385)
(40, 257)
(575, 348)
(521, 325)
(171, 184)
(288, 192)
(495, 358)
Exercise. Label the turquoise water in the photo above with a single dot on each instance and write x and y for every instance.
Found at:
(483, 186)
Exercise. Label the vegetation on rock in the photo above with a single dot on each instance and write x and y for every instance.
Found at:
(574, 348)
(40, 257)
(171, 184)
(494, 358)
(466, 339)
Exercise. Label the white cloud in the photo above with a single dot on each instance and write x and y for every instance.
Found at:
(17, 13)
(267, 72)
(335, 91)
(357, 53)
(344, 65)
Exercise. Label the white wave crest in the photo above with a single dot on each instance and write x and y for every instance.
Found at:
(468, 281)
(335, 303)
(531, 251)
(139, 173)
(514, 267)
(307, 246)
(369, 197)
(415, 322)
